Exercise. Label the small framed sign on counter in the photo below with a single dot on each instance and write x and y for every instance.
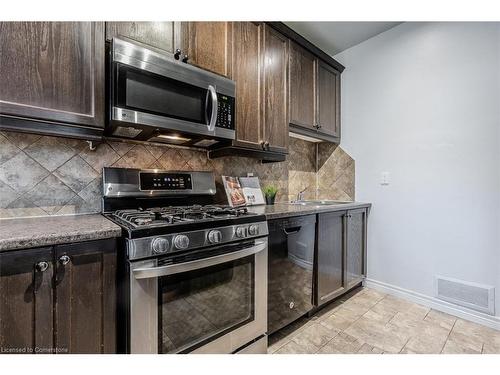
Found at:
(243, 191)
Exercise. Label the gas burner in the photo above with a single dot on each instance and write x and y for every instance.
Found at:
(142, 220)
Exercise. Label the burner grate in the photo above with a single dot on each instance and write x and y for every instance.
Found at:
(177, 214)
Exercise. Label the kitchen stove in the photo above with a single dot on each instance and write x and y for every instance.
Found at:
(194, 273)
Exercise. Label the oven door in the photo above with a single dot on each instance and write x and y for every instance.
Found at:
(209, 304)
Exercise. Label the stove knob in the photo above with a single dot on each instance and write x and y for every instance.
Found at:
(181, 241)
(160, 245)
(253, 230)
(241, 232)
(214, 236)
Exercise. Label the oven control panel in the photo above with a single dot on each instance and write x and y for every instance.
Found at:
(225, 111)
(203, 238)
(165, 181)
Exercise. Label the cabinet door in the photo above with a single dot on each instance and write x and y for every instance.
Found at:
(274, 86)
(26, 320)
(302, 83)
(207, 45)
(162, 35)
(245, 70)
(356, 247)
(53, 71)
(330, 259)
(85, 310)
(328, 111)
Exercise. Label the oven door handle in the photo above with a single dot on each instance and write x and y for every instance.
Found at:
(212, 94)
(172, 269)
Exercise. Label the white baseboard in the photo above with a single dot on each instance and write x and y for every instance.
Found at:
(437, 304)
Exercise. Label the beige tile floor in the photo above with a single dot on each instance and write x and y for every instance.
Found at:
(369, 322)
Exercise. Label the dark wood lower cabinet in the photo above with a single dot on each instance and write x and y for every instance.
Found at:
(26, 295)
(330, 258)
(341, 253)
(355, 268)
(85, 303)
(59, 299)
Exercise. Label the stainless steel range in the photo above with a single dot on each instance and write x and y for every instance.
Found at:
(194, 274)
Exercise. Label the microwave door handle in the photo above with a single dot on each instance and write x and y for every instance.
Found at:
(172, 269)
(212, 94)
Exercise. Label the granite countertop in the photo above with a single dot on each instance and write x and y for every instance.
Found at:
(24, 233)
(280, 210)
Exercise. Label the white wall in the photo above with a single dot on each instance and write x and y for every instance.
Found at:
(421, 101)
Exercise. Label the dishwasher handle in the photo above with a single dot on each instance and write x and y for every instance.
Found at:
(292, 230)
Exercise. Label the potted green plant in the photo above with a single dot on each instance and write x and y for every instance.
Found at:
(270, 193)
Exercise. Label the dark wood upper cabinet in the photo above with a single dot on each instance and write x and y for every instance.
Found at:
(274, 86)
(314, 94)
(161, 35)
(53, 71)
(59, 299)
(328, 112)
(302, 83)
(259, 66)
(245, 70)
(26, 301)
(207, 45)
(85, 311)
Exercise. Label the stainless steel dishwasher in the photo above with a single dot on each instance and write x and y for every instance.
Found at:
(290, 272)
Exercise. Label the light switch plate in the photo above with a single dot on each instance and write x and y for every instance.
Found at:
(385, 178)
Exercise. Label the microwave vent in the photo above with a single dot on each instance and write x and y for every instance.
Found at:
(126, 132)
(205, 143)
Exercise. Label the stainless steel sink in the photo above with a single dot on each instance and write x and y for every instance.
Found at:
(318, 203)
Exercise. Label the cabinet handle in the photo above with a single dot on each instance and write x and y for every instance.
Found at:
(64, 259)
(185, 59)
(42, 266)
(177, 54)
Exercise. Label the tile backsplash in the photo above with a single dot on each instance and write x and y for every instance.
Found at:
(42, 175)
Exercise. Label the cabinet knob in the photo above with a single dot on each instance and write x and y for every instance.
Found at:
(185, 59)
(42, 266)
(64, 259)
(266, 145)
(262, 144)
(177, 54)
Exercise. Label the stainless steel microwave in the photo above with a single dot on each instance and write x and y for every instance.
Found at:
(154, 97)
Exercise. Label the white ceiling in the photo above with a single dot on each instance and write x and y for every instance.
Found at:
(335, 37)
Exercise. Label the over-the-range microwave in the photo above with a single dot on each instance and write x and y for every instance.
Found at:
(154, 97)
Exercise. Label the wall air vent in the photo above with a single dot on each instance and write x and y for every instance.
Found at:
(472, 295)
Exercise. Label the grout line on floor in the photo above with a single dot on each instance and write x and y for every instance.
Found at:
(406, 343)
(427, 314)
(328, 341)
(447, 337)
(279, 347)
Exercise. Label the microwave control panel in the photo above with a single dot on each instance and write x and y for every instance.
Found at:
(225, 111)
(165, 181)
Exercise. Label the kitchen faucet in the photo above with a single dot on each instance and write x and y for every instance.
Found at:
(300, 194)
